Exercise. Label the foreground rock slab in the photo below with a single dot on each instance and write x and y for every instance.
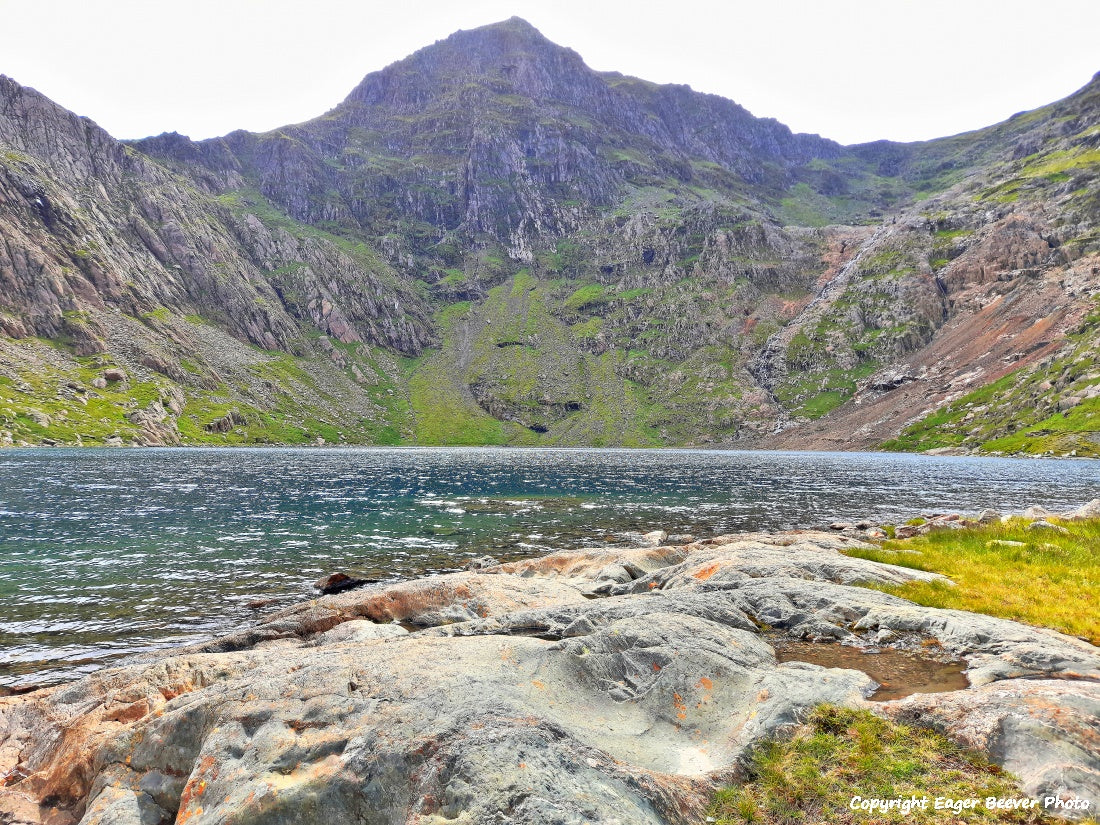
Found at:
(599, 686)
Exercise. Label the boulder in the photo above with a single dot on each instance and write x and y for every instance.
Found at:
(226, 423)
(1085, 511)
(1044, 525)
(114, 375)
(891, 380)
(336, 582)
(1037, 512)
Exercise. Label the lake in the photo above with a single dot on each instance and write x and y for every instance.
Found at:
(110, 552)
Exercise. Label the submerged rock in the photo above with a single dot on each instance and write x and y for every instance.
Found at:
(336, 582)
(481, 563)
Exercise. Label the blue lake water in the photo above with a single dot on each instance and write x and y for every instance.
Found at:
(109, 552)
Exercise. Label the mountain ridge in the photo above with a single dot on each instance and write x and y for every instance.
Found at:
(489, 242)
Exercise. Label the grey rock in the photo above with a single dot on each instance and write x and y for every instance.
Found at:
(1037, 512)
(989, 517)
(622, 725)
(808, 555)
(226, 423)
(359, 630)
(524, 701)
(1042, 525)
(994, 649)
(718, 606)
(891, 380)
(1085, 511)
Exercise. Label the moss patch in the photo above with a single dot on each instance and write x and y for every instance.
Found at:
(840, 754)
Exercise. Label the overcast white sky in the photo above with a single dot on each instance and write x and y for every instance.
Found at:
(852, 70)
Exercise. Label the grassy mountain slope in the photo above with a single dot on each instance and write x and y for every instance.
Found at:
(488, 242)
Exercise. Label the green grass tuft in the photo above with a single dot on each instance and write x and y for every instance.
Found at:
(842, 753)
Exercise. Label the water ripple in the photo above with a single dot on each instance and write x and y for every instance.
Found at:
(104, 553)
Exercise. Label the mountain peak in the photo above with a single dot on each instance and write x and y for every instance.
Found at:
(514, 23)
(512, 50)
(512, 32)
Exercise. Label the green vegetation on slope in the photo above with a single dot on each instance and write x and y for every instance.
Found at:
(442, 408)
(840, 754)
(1042, 577)
(512, 357)
(269, 397)
(655, 278)
(1051, 408)
(57, 405)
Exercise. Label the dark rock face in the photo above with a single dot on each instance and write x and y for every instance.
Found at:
(227, 422)
(496, 132)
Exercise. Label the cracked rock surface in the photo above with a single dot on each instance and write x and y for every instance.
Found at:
(611, 686)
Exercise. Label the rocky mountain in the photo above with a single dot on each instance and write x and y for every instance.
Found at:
(488, 242)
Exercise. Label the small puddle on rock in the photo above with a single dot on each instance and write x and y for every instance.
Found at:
(899, 673)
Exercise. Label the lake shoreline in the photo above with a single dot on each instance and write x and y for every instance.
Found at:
(337, 447)
(541, 673)
(164, 546)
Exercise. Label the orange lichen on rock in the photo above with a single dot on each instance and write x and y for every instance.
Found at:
(706, 572)
(681, 708)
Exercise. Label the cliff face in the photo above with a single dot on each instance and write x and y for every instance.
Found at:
(500, 133)
(89, 223)
(119, 262)
(565, 256)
